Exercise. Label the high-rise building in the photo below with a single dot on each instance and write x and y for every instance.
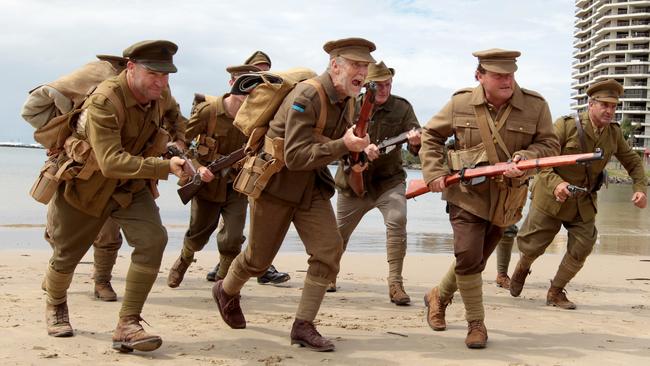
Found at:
(612, 40)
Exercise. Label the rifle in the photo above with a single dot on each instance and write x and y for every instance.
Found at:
(173, 150)
(190, 189)
(389, 143)
(360, 129)
(473, 176)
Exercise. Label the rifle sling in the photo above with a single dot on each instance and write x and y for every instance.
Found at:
(583, 146)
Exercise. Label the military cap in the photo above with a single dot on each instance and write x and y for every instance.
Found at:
(379, 72)
(258, 57)
(355, 49)
(154, 55)
(241, 69)
(605, 91)
(498, 60)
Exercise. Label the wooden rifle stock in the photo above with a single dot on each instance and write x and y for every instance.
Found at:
(360, 130)
(418, 187)
(190, 189)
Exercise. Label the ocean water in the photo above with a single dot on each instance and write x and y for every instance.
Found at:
(623, 229)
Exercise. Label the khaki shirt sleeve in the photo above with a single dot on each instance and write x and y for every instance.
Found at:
(548, 175)
(302, 151)
(411, 122)
(545, 142)
(174, 121)
(434, 135)
(104, 136)
(631, 162)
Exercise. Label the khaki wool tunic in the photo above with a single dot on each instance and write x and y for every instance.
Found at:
(528, 132)
(611, 142)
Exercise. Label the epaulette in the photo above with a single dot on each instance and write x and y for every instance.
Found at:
(464, 90)
(401, 99)
(533, 93)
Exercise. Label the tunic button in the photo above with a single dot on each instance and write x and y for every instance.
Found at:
(521, 128)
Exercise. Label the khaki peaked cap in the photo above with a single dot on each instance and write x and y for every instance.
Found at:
(258, 57)
(498, 60)
(237, 70)
(155, 55)
(379, 72)
(605, 91)
(355, 49)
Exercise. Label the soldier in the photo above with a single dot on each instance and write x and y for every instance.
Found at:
(481, 119)
(384, 179)
(212, 124)
(300, 191)
(554, 205)
(122, 124)
(107, 244)
(262, 62)
(504, 253)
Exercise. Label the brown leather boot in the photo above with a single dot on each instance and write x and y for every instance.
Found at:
(556, 296)
(503, 280)
(228, 307)
(519, 278)
(129, 336)
(305, 334)
(104, 291)
(436, 309)
(58, 320)
(476, 334)
(397, 294)
(177, 272)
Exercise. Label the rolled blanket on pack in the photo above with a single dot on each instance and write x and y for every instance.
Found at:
(247, 82)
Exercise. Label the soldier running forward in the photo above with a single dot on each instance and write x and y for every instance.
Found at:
(554, 205)
(123, 122)
(261, 62)
(300, 191)
(212, 124)
(494, 121)
(384, 179)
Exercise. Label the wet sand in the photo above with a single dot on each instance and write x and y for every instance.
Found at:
(610, 325)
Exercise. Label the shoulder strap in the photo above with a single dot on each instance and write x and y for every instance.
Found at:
(212, 121)
(583, 146)
(486, 136)
(115, 101)
(322, 117)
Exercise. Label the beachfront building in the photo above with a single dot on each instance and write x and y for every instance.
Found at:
(612, 40)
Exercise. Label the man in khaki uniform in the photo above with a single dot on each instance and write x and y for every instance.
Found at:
(107, 244)
(554, 205)
(384, 179)
(212, 125)
(123, 126)
(300, 191)
(504, 253)
(516, 124)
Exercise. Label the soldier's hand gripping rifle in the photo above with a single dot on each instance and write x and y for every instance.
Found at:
(389, 143)
(360, 130)
(478, 175)
(173, 150)
(190, 189)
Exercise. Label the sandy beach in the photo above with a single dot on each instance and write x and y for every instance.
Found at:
(610, 325)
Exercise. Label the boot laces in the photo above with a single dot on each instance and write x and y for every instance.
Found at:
(61, 315)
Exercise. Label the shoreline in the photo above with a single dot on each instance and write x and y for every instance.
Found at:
(607, 328)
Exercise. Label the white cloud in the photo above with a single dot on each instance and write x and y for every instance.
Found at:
(428, 42)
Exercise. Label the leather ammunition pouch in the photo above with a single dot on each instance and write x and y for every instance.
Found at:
(158, 146)
(467, 158)
(258, 168)
(51, 175)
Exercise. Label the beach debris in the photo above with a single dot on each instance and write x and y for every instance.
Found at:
(397, 334)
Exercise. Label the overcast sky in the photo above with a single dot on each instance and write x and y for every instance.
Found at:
(429, 43)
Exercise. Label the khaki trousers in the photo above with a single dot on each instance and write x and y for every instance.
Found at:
(71, 231)
(392, 205)
(204, 220)
(105, 249)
